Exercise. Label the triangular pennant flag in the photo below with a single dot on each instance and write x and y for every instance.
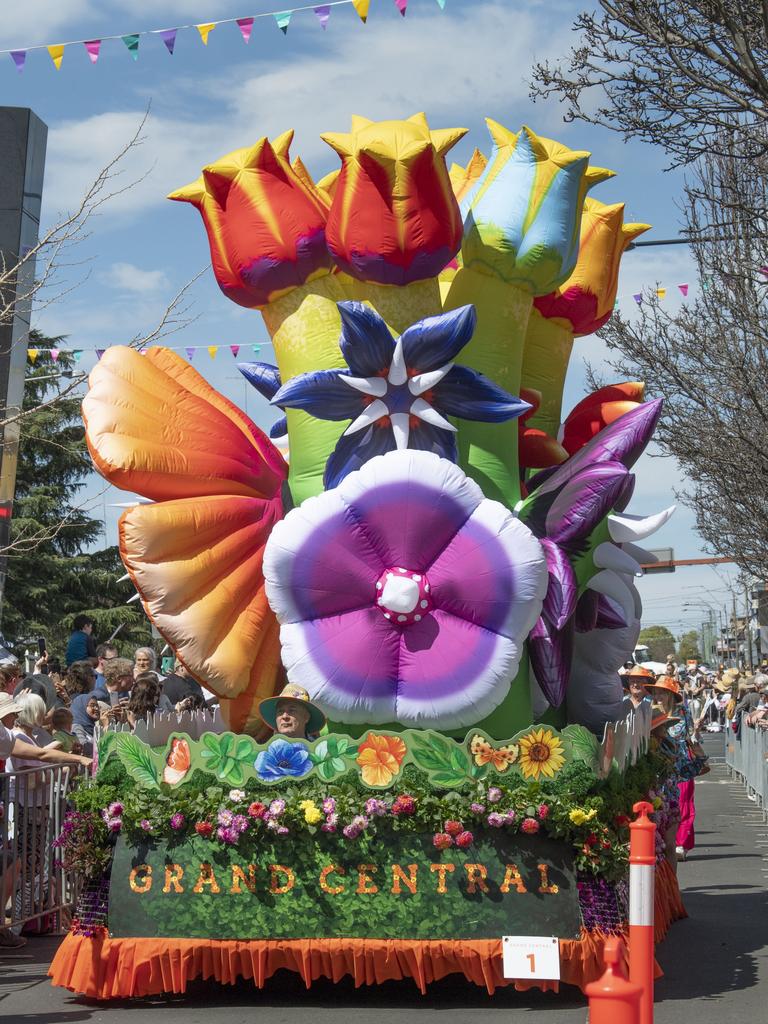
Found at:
(93, 46)
(205, 30)
(683, 289)
(212, 350)
(256, 350)
(57, 53)
(323, 13)
(99, 353)
(283, 19)
(661, 292)
(441, 4)
(361, 6)
(76, 355)
(19, 58)
(246, 27)
(401, 5)
(190, 353)
(234, 349)
(32, 355)
(638, 298)
(168, 35)
(55, 354)
(132, 42)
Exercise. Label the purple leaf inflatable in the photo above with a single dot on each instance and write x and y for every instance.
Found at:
(560, 599)
(584, 502)
(550, 651)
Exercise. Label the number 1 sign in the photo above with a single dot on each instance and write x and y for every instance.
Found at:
(531, 956)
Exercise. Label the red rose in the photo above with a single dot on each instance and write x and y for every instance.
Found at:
(453, 827)
(464, 839)
(591, 839)
(442, 840)
(204, 828)
(257, 810)
(621, 820)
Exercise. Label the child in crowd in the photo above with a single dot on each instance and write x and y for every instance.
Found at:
(61, 725)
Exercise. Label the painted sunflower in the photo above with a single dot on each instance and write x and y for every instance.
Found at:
(541, 753)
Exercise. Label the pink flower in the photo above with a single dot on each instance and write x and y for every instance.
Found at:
(464, 839)
(225, 818)
(494, 795)
(509, 817)
(453, 828)
(530, 825)
(496, 820)
(404, 804)
(227, 835)
(177, 821)
(276, 808)
(442, 840)
(477, 808)
(543, 811)
(376, 808)
(114, 824)
(115, 809)
(329, 805)
(240, 823)
(146, 824)
(330, 825)
(351, 832)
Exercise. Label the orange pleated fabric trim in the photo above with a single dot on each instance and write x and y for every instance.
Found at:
(103, 968)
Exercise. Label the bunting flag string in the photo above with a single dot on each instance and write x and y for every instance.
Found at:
(33, 354)
(204, 29)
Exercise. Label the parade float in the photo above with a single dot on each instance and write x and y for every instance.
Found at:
(442, 565)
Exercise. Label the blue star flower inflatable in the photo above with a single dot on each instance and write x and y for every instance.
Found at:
(399, 392)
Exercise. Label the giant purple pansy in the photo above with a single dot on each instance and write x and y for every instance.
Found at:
(396, 393)
(404, 595)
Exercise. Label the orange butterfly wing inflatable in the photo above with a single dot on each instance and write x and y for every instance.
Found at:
(155, 426)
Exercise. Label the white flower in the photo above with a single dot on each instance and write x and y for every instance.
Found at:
(236, 796)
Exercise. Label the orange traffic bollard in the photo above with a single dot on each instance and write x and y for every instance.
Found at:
(613, 999)
(642, 877)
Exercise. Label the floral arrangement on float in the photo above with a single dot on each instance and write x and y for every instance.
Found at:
(444, 567)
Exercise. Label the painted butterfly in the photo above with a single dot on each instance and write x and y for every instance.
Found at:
(501, 758)
(177, 763)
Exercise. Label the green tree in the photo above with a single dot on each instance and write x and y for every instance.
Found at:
(658, 640)
(689, 646)
(55, 569)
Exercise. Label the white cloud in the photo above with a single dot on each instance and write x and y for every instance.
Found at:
(455, 67)
(128, 278)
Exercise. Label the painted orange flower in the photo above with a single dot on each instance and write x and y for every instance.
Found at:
(380, 758)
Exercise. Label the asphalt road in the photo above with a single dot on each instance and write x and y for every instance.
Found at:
(715, 963)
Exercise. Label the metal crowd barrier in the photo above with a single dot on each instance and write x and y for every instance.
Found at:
(747, 760)
(33, 887)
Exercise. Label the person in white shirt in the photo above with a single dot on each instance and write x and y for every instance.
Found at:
(17, 745)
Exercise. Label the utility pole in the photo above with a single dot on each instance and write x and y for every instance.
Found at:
(747, 626)
(735, 631)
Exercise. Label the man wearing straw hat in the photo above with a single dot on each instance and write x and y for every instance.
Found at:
(292, 714)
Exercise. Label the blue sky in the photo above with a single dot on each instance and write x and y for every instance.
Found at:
(470, 61)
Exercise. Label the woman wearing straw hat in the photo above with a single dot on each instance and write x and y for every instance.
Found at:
(291, 713)
(668, 816)
(666, 692)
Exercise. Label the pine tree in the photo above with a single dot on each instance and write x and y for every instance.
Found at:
(55, 569)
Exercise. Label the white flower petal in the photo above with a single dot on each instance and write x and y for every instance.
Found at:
(425, 412)
(376, 386)
(369, 415)
(400, 428)
(398, 372)
(424, 381)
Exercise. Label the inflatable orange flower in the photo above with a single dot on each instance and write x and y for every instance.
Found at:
(194, 553)
(265, 222)
(380, 758)
(394, 218)
(597, 410)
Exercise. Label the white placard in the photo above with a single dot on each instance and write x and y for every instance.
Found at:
(531, 956)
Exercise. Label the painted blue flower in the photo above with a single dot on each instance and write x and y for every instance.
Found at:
(398, 393)
(282, 758)
(265, 377)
